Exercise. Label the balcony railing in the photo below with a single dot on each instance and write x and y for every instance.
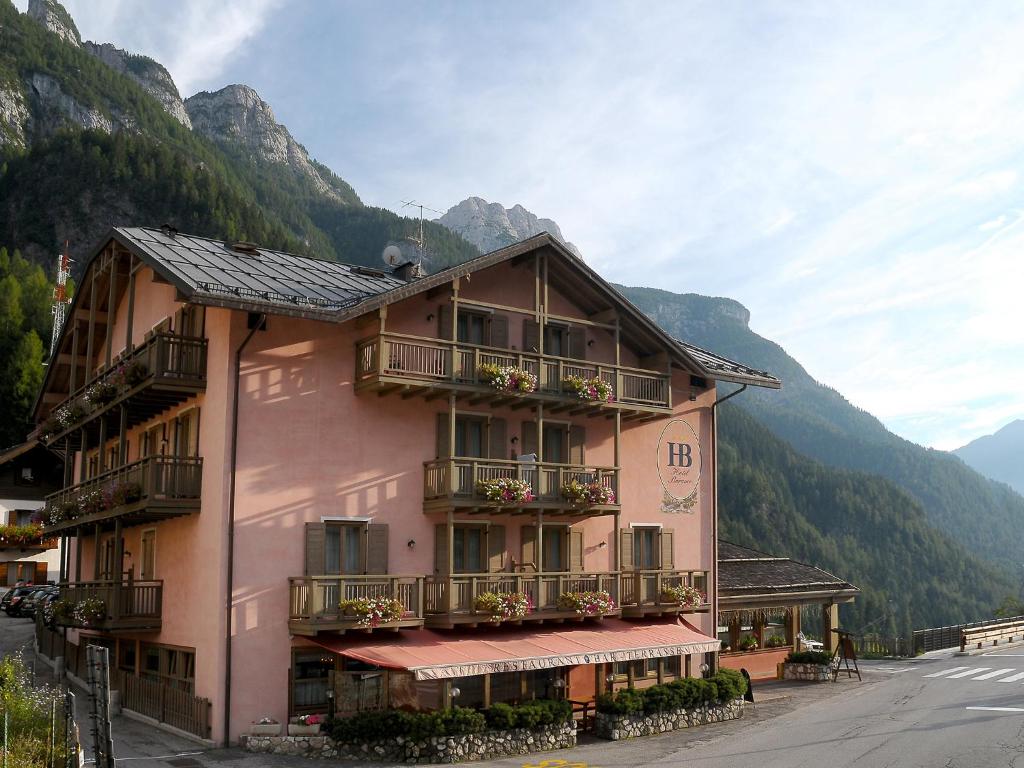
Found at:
(129, 605)
(454, 598)
(166, 368)
(314, 602)
(643, 591)
(456, 479)
(149, 489)
(434, 361)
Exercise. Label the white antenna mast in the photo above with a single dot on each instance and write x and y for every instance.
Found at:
(421, 243)
(60, 297)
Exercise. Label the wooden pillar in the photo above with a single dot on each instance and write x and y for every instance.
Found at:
(540, 432)
(69, 462)
(82, 456)
(122, 450)
(90, 336)
(829, 621)
(96, 552)
(111, 298)
(450, 533)
(128, 330)
(540, 553)
(78, 554)
(617, 543)
(117, 571)
(793, 626)
(101, 459)
(73, 373)
(734, 632)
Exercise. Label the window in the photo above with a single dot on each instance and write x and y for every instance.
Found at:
(471, 691)
(311, 679)
(553, 559)
(186, 433)
(471, 436)
(343, 550)
(127, 655)
(472, 328)
(506, 687)
(173, 667)
(646, 542)
(107, 566)
(556, 340)
(21, 516)
(152, 442)
(468, 552)
(556, 443)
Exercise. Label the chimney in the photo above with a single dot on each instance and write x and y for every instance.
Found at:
(409, 271)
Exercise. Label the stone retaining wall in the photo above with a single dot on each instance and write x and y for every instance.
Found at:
(437, 749)
(617, 727)
(817, 673)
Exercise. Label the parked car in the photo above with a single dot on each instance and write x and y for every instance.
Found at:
(12, 600)
(35, 600)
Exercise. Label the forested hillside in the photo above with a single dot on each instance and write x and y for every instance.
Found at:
(985, 516)
(860, 526)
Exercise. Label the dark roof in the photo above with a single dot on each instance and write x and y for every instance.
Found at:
(744, 571)
(723, 367)
(215, 271)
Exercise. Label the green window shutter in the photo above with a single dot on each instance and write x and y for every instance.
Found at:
(495, 548)
(528, 437)
(577, 441)
(575, 549)
(531, 335)
(626, 549)
(316, 535)
(668, 549)
(498, 331)
(497, 436)
(444, 321)
(376, 548)
(441, 549)
(528, 545)
(443, 448)
(577, 342)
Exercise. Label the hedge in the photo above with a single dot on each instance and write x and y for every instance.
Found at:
(809, 657)
(685, 693)
(379, 725)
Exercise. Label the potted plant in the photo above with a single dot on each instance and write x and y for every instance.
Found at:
(748, 643)
(372, 611)
(775, 641)
(305, 725)
(686, 596)
(596, 603)
(90, 611)
(595, 389)
(501, 606)
(508, 378)
(587, 493)
(265, 726)
(505, 490)
(101, 393)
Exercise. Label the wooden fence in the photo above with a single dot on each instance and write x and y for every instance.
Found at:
(163, 703)
(937, 638)
(876, 645)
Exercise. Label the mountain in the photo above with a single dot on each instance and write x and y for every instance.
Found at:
(92, 136)
(860, 526)
(999, 456)
(490, 226)
(986, 517)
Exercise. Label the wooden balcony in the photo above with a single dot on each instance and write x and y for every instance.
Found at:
(151, 489)
(453, 482)
(452, 600)
(412, 365)
(162, 372)
(642, 591)
(314, 602)
(133, 605)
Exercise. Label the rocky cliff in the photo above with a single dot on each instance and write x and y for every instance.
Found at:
(55, 18)
(236, 117)
(490, 226)
(151, 75)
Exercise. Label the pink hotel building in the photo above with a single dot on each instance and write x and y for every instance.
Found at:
(259, 443)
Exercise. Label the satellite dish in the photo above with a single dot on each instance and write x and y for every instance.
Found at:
(392, 256)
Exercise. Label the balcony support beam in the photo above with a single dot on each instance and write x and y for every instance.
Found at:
(117, 572)
(128, 330)
(102, 446)
(84, 442)
(78, 554)
(111, 298)
(96, 552)
(73, 373)
(122, 448)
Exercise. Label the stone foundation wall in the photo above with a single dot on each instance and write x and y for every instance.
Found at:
(617, 727)
(817, 673)
(437, 749)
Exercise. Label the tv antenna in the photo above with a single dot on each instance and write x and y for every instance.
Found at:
(60, 297)
(421, 243)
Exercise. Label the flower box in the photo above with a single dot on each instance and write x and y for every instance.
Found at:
(266, 729)
(594, 390)
(587, 603)
(505, 490)
(508, 378)
(297, 729)
(686, 596)
(372, 611)
(501, 606)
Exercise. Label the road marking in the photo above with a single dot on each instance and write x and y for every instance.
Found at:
(990, 675)
(946, 671)
(890, 670)
(1013, 678)
(996, 709)
(969, 673)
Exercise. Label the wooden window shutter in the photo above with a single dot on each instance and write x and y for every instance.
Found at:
(316, 537)
(528, 545)
(668, 549)
(575, 549)
(626, 549)
(376, 548)
(40, 573)
(443, 448)
(3, 573)
(495, 548)
(577, 441)
(497, 436)
(531, 335)
(441, 548)
(528, 437)
(577, 342)
(444, 321)
(498, 331)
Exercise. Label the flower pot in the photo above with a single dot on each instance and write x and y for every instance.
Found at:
(265, 729)
(294, 729)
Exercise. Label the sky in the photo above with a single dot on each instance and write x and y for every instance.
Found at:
(848, 171)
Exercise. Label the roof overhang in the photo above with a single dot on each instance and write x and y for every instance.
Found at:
(784, 597)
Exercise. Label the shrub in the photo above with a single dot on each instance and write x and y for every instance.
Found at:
(661, 698)
(809, 657)
(501, 717)
(775, 641)
(731, 684)
(27, 708)
(460, 720)
(622, 702)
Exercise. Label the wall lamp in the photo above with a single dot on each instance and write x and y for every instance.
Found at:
(455, 692)
(411, 544)
(430, 317)
(514, 440)
(590, 342)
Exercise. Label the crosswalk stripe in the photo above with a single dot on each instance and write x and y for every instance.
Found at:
(990, 675)
(1013, 678)
(969, 673)
(945, 672)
